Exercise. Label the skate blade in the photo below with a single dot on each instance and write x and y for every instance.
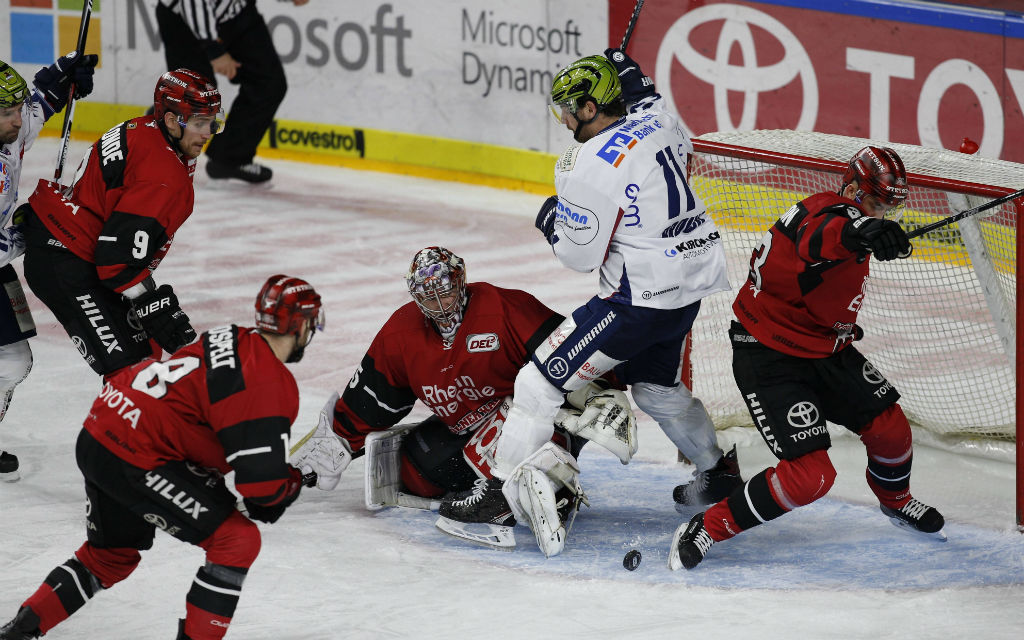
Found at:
(674, 563)
(936, 535)
(11, 476)
(482, 533)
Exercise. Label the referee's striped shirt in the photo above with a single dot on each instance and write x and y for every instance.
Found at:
(203, 16)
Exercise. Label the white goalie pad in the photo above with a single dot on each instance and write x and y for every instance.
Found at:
(530, 490)
(382, 477)
(606, 419)
(322, 452)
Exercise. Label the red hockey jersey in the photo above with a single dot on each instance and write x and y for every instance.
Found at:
(224, 402)
(463, 385)
(805, 288)
(131, 193)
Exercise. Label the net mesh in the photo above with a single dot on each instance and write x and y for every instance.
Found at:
(940, 325)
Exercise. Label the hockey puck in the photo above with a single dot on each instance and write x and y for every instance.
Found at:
(631, 560)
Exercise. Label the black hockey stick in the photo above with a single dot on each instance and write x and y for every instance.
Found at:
(920, 231)
(632, 23)
(69, 110)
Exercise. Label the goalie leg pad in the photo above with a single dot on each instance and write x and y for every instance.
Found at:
(531, 492)
(382, 475)
(537, 499)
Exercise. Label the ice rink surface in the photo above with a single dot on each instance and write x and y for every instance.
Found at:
(331, 569)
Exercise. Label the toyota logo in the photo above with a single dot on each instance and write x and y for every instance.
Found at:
(871, 374)
(802, 415)
(747, 77)
(155, 520)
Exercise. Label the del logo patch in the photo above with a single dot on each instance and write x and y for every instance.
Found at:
(480, 342)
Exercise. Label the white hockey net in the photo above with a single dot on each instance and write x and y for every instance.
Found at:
(941, 325)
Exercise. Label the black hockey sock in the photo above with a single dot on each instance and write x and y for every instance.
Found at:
(754, 504)
(211, 601)
(67, 588)
(890, 482)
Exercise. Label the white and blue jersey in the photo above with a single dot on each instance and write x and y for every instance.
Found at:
(625, 206)
(34, 114)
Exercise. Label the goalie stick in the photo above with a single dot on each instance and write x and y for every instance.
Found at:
(632, 23)
(69, 111)
(928, 228)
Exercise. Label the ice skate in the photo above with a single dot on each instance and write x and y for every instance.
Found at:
(690, 543)
(480, 515)
(708, 487)
(918, 517)
(252, 172)
(9, 467)
(24, 626)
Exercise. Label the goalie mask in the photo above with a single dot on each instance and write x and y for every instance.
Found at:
(286, 306)
(879, 172)
(437, 282)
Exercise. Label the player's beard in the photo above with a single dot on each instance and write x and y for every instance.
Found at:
(10, 137)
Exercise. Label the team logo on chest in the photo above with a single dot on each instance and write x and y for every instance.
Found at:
(481, 342)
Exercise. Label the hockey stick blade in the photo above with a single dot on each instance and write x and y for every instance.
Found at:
(632, 23)
(991, 204)
(69, 110)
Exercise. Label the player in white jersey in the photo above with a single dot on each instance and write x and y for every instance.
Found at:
(624, 206)
(22, 114)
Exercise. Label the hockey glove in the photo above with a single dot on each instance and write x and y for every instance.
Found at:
(635, 85)
(53, 81)
(546, 218)
(322, 456)
(271, 514)
(884, 238)
(163, 319)
(20, 214)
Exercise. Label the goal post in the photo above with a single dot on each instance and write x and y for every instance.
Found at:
(941, 325)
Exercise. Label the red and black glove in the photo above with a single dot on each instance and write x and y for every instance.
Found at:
(883, 238)
(271, 514)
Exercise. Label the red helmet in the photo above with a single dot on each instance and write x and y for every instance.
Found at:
(285, 304)
(185, 93)
(879, 172)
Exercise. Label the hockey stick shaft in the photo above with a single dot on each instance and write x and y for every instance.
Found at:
(69, 110)
(632, 23)
(920, 231)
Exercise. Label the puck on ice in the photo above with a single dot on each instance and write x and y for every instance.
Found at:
(631, 560)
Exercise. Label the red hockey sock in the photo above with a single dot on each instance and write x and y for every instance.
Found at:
(888, 442)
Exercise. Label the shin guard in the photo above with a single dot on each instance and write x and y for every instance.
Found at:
(66, 590)
(211, 601)
(888, 442)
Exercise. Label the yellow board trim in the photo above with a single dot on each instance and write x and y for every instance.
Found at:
(383, 151)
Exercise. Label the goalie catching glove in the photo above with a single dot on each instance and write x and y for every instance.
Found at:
(602, 416)
(162, 318)
(322, 456)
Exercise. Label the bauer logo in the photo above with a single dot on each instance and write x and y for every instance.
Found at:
(480, 342)
(43, 30)
(614, 151)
